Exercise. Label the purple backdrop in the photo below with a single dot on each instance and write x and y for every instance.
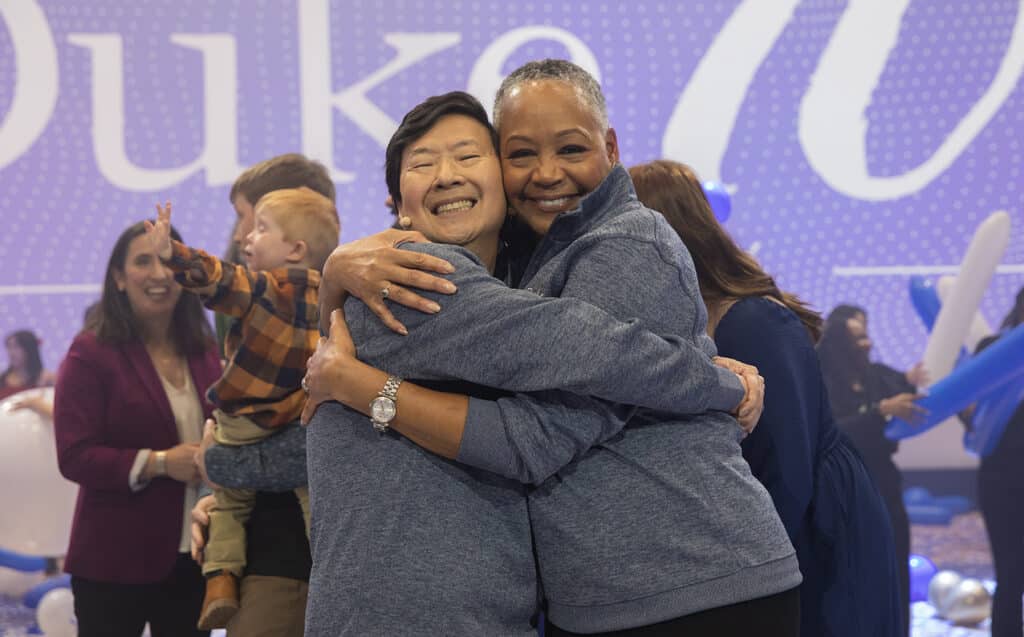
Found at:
(854, 135)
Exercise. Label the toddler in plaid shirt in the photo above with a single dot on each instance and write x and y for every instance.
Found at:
(275, 301)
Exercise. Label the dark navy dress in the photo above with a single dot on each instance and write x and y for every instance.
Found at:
(821, 489)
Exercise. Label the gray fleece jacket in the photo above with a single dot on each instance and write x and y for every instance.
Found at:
(455, 544)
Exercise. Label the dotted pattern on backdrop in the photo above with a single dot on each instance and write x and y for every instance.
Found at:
(61, 216)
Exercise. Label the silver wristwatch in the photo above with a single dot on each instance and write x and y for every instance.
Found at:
(383, 408)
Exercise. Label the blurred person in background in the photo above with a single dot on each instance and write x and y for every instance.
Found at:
(24, 364)
(41, 402)
(1000, 494)
(865, 396)
(917, 375)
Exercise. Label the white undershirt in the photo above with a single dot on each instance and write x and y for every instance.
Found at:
(188, 416)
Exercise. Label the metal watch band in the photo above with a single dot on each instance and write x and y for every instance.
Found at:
(391, 387)
(388, 394)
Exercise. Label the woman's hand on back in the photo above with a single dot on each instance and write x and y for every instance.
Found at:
(326, 368)
(365, 268)
(748, 412)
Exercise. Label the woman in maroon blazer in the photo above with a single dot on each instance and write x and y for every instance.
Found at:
(129, 410)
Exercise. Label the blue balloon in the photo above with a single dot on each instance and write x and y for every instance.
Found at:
(916, 495)
(36, 593)
(921, 571)
(925, 300)
(19, 562)
(718, 197)
(998, 365)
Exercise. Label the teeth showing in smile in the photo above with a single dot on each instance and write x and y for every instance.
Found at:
(157, 291)
(454, 206)
(553, 204)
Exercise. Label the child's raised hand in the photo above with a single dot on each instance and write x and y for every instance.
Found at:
(159, 233)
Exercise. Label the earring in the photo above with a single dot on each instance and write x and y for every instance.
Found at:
(405, 222)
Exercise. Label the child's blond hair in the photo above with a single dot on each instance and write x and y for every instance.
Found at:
(304, 215)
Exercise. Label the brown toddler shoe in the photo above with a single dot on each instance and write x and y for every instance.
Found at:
(221, 601)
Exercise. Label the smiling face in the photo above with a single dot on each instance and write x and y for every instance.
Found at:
(554, 150)
(450, 182)
(148, 283)
(266, 247)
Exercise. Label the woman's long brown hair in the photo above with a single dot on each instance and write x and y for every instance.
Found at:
(724, 271)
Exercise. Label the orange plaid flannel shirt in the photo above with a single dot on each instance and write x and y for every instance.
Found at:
(275, 335)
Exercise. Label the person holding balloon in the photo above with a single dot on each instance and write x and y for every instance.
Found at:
(128, 415)
(865, 396)
(1000, 492)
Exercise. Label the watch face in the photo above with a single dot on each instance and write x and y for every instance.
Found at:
(382, 409)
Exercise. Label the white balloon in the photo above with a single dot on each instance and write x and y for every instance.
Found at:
(56, 614)
(953, 323)
(36, 501)
(979, 327)
(14, 583)
(969, 604)
(940, 590)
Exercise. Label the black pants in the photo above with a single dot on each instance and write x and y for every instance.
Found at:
(121, 610)
(773, 616)
(1000, 496)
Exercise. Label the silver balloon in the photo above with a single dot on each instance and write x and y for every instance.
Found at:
(940, 590)
(969, 603)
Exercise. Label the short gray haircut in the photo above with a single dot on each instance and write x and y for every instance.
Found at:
(560, 70)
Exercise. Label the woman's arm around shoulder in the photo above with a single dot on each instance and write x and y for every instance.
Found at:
(547, 342)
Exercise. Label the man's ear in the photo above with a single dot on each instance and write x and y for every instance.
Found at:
(611, 145)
